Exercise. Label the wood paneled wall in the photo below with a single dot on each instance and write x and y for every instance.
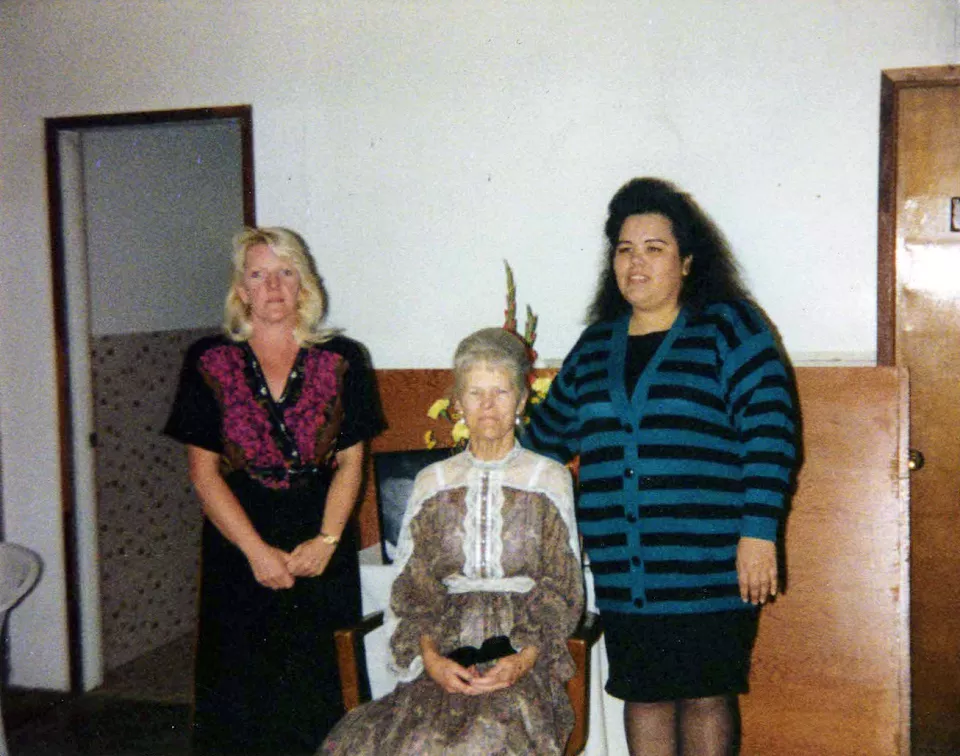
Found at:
(831, 667)
(406, 396)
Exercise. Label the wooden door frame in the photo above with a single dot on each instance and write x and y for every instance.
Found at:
(243, 114)
(892, 82)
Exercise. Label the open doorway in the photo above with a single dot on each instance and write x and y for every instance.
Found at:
(142, 206)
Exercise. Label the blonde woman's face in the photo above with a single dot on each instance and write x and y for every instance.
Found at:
(270, 287)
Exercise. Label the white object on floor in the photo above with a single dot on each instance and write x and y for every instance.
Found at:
(19, 570)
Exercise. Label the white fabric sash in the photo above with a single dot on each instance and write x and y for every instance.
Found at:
(461, 584)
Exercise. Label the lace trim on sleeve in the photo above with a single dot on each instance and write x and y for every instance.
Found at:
(546, 476)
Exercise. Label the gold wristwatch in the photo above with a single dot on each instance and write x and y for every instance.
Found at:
(328, 539)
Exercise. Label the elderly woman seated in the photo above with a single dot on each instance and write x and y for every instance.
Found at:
(489, 587)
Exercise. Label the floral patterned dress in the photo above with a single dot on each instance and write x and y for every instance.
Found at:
(266, 678)
(486, 549)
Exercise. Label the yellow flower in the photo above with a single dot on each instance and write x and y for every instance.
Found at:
(460, 432)
(437, 408)
(541, 386)
(430, 439)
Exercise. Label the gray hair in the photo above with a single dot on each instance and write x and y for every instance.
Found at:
(496, 347)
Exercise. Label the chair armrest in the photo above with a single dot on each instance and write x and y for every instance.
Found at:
(578, 686)
(348, 642)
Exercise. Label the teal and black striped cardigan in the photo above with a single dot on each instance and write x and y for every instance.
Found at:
(703, 453)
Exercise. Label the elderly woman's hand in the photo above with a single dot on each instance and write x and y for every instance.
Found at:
(757, 569)
(505, 672)
(311, 557)
(447, 673)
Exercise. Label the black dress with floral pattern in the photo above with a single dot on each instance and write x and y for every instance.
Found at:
(266, 678)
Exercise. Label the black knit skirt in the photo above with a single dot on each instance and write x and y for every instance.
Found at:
(672, 657)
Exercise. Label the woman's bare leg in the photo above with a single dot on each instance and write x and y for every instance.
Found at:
(708, 726)
(651, 728)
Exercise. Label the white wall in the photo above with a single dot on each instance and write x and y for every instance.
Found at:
(416, 143)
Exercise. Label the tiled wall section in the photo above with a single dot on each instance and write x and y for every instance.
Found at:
(149, 518)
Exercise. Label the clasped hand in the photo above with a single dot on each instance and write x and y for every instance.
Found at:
(277, 569)
(454, 678)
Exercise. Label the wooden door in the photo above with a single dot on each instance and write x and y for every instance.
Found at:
(919, 328)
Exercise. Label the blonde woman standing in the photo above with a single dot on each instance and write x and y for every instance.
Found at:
(274, 414)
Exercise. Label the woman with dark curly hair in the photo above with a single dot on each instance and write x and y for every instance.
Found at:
(679, 404)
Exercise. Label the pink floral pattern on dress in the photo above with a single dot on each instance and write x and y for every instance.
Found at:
(247, 426)
(246, 422)
(319, 392)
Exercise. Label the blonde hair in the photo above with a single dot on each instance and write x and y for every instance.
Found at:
(311, 302)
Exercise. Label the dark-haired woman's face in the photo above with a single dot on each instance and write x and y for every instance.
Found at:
(648, 267)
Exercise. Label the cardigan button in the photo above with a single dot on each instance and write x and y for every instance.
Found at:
(631, 518)
(638, 602)
(628, 428)
(628, 473)
(635, 560)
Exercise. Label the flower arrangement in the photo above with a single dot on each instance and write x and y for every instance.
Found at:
(443, 409)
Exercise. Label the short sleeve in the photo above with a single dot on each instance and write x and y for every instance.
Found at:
(195, 417)
(362, 412)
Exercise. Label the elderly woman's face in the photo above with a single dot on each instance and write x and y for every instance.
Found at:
(489, 401)
(647, 264)
(270, 286)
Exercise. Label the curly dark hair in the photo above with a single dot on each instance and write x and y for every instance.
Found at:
(714, 275)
